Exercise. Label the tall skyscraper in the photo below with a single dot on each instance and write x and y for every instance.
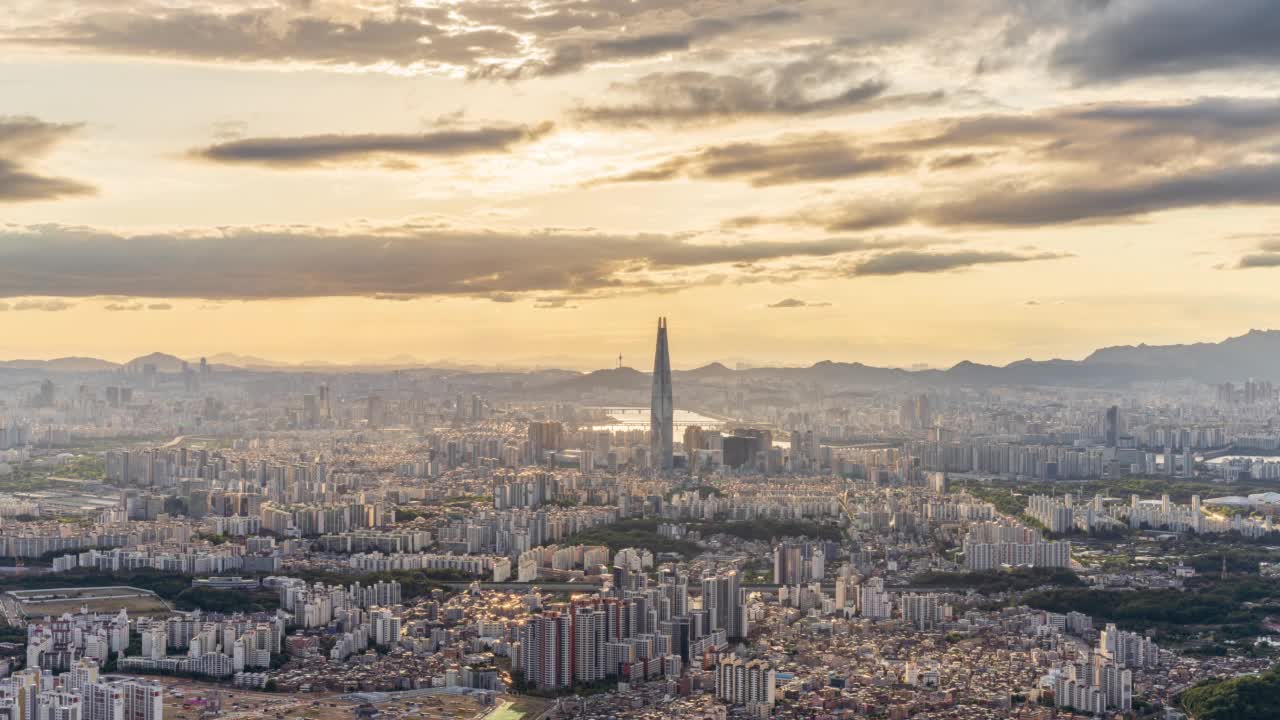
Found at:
(661, 409)
(1111, 427)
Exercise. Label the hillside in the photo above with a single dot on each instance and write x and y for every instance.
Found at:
(1256, 697)
(1252, 355)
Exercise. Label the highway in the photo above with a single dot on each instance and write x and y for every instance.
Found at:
(556, 587)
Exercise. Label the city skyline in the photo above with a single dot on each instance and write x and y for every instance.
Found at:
(1230, 359)
(492, 183)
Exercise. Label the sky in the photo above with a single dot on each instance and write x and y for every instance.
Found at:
(893, 182)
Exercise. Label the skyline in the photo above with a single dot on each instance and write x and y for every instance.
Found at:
(405, 361)
(502, 183)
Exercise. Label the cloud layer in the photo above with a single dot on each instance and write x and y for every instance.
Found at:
(1137, 38)
(1080, 164)
(280, 33)
(398, 262)
(24, 140)
(786, 160)
(310, 150)
(788, 303)
(507, 40)
(801, 87)
(908, 261)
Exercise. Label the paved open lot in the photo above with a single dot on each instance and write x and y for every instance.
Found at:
(108, 600)
(187, 699)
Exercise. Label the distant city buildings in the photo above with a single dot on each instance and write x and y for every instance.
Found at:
(991, 545)
(791, 550)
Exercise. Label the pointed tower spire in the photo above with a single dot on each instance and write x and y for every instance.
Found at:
(661, 408)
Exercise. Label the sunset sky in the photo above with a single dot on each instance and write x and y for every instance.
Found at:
(891, 182)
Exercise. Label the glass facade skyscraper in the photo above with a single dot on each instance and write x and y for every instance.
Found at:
(661, 409)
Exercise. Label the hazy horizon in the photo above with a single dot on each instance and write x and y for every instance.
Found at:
(636, 362)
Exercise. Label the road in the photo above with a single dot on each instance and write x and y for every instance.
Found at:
(588, 587)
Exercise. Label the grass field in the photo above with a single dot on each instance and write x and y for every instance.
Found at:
(505, 711)
(518, 709)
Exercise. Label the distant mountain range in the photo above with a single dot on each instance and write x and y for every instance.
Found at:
(1253, 355)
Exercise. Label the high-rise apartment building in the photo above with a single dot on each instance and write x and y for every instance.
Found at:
(546, 651)
(725, 603)
(740, 682)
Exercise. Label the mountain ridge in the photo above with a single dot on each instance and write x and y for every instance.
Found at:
(1255, 354)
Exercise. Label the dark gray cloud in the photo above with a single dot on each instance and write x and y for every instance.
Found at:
(808, 86)
(1063, 202)
(1266, 255)
(1095, 163)
(864, 214)
(404, 261)
(790, 159)
(1136, 134)
(23, 141)
(1137, 38)
(1057, 201)
(909, 261)
(867, 216)
(1141, 137)
(797, 303)
(321, 149)
(1259, 260)
(958, 161)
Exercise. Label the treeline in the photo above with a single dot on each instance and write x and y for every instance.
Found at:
(1178, 490)
(633, 533)
(1256, 697)
(1219, 604)
(1003, 499)
(173, 587)
(165, 584)
(1237, 560)
(227, 601)
(987, 583)
(178, 590)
